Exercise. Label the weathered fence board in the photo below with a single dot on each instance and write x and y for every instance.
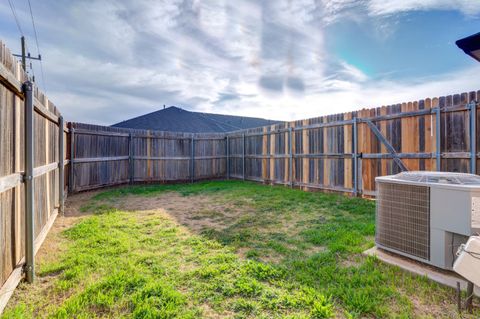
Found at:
(323, 149)
(12, 167)
(105, 156)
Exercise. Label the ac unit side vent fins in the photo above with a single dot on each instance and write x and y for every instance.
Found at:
(403, 219)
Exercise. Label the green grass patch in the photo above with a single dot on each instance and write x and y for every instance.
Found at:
(301, 259)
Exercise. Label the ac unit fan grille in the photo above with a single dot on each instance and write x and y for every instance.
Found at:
(403, 218)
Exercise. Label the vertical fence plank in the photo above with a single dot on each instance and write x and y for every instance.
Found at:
(243, 156)
(374, 147)
(437, 133)
(286, 172)
(192, 160)
(305, 151)
(473, 137)
(364, 147)
(71, 183)
(475, 96)
(290, 152)
(429, 135)
(383, 149)
(265, 152)
(272, 153)
(227, 154)
(293, 145)
(407, 138)
(355, 155)
(131, 168)
(149, 154)
(18, 189)
(47, 161)
(347, 142)
(61, 166)
(415, 133)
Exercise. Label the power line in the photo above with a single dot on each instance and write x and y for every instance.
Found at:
(38, 47)
(14, 12)
(24, 44)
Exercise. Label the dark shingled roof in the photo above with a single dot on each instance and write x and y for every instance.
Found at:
(174, 119)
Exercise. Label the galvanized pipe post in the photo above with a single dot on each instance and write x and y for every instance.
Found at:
(469, 300)
(438, 138)
(227, 154)
(71, 179)
(290, 151)
(473, 137)
(192, 176)
(243, 157)
(130, 158)
(61, 166)
(355, 157)
(29, 184)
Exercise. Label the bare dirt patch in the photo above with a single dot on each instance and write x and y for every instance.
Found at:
(52, 246)
(198, 212)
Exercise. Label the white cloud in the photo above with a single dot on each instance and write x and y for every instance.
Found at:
(353, 72)
(251, 58)
(385, 7)
(350, 96)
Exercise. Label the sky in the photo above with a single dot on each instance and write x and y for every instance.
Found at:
(105, 61)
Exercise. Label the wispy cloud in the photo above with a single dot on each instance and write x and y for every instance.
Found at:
(107, 61)
(385, 7)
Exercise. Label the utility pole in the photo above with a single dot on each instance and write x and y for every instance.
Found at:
(26, 55)
(24, 58)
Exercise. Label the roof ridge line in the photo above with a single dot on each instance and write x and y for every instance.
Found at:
(215, 121)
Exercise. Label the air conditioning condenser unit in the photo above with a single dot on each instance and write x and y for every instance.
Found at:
(426, 216)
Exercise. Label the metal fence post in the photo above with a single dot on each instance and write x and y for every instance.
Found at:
(473, 137)
(71, 178)
(130, 158)
(29, 184)
(227, 153)
(61, 166)
(290, 163)
(355, 157)
(192, 176)
(243, 157)
(437, 137)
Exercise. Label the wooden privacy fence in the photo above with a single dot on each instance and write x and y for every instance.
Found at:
(32, 139)
(345, 152)
(342, 152)
(105, 156)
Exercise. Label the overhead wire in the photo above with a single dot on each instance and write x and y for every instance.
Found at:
(38, 46)
(14, 12)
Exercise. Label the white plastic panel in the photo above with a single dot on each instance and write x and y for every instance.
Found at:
(450, 210)
(468, 262)
(476, 212)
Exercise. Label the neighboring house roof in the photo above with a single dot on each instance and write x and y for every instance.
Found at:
(175, 119)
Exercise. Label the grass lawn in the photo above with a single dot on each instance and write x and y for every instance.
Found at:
(225, 249)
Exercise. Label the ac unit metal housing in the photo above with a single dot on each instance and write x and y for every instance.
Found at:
(426, 216)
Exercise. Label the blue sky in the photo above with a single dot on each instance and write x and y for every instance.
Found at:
(106, 61)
